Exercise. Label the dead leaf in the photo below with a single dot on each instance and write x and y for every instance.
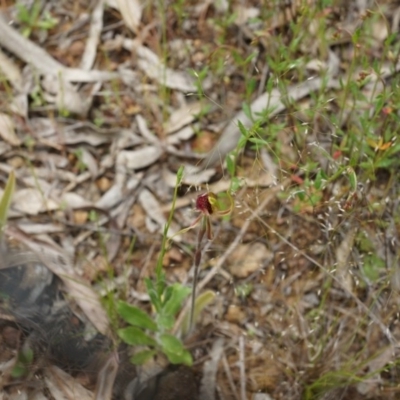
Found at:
(70, 136)
(106, 378)
(73, 200)
(65, 95)
(342, 256)
(96, 25)
(32, 202)
(63, 386)
(182, 135)
(35, 55)
(11, 71)
(183, 116)
(90, 162)
(131, 11)
(137, 159)
(151, 65)
(145, 131)
(39, 228)
(7, 131)
(112, 197)
(245, 13)
(210, 368)
(152, 207)
(252, 257)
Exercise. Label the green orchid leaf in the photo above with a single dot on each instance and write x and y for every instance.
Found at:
(135, 316)
(142, 356)
(136, 337)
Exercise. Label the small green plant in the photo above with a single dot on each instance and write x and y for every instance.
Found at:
(208, 205)
(155, 333)
(5, 201)
(144, 331)
(167, 300)
(31, 19)
(78, 153)
(23, 363)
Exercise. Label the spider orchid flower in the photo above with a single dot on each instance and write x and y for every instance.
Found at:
(208, 205)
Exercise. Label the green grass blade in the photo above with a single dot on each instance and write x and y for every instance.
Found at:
(6, 201)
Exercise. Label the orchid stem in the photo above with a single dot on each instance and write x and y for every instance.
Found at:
(196, 264)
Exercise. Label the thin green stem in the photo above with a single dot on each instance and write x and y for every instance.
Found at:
(196, 265)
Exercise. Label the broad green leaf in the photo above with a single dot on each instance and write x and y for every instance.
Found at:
(174, 302)
(142, 356)
(230, 164)
(165, 322)
(352, 178)
(202, 301)
(247, 111)
(171, 344)
(243, 130)
(318, 180)
(184, 358)
(135, 337)
(151, 291)
(6, 201)
(19, 370)
(135, 316)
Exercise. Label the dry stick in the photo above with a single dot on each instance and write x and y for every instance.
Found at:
(229, 376)
(375, 318)
(242, 369)
(230, 249)
(106, 378)
(196, 264)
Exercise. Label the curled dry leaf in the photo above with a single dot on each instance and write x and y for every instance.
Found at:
(70, 136)
(150, 64)
(11, 71)
(145, 131)
(89, 161)
(152, 207)
(63, 386)
(33, 228)
(106, 378)
(183, 116)
(65, 95)
(33, 54)
(111, 198)
(92, 41)
(210, 368)
(31, 201)
(245, 13)
(192, 176)
(137, 159)
(131, 11)
(182, 135)
(73, 200)
(7, 131)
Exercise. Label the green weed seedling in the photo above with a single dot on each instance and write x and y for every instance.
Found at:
(24, 361)
(31, 19)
